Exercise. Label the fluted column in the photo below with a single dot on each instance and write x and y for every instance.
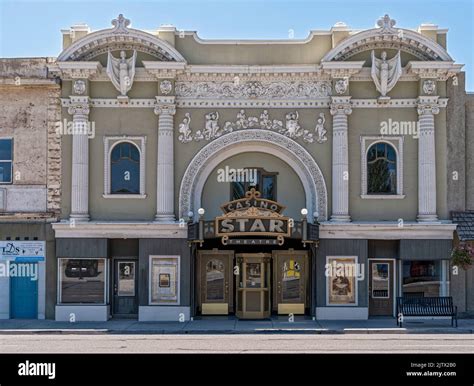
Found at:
(165, 164)
(340, 109)
(427, 108)
(79, 110)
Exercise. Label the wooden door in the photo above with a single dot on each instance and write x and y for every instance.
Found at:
(290, 283)
(381, 288)
(215, 282)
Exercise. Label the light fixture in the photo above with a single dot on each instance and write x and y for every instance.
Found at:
(201, 211)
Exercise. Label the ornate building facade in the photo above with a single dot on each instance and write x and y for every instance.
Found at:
(255, 178)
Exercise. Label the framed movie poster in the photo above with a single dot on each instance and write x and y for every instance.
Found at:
(164, 279)
(341, 280)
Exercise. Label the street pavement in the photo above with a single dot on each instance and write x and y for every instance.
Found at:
(242, 343)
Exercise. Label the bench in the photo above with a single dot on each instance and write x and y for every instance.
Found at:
(426, 306)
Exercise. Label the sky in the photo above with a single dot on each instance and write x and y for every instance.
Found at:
(30, 28)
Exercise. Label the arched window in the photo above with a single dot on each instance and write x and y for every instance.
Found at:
(125, 169)
(381, 169)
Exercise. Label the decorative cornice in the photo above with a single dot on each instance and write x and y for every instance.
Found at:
(75, 70)
(249, 103)
(342, 69)
(163, 70)
(433, 70)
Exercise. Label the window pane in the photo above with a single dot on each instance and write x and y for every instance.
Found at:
(381, 169)
(125, 169)
(115, 156)
(268, 187)
(5, 149)
(238, 190)
(82, 280)
(421, 278)
(5, 172)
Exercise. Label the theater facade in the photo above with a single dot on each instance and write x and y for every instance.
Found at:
(253, 178)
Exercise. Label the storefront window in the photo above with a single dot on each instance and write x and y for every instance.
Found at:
(82, 281)
(421, 278)
(164, 279)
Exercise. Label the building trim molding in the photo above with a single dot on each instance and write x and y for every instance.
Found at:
(120, 229)
(387, 230)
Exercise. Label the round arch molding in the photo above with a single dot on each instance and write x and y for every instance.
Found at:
(119, 38)
(405, 40)
(263, 141)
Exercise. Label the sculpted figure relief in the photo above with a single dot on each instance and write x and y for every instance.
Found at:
(320, 130)
(386, 72)
(121, 71)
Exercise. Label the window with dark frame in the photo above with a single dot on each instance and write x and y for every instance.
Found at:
(6, 160)
(381, 169)
(265, 183)
(125, 169)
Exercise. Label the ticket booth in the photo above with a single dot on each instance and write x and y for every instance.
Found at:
(253, 285)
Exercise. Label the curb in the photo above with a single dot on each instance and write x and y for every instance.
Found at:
(276, 331)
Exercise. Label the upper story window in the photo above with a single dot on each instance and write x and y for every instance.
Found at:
(125, 169)
(6, 160)
(381, 169)
(261, 180)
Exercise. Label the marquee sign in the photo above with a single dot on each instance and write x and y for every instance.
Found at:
(253, 216)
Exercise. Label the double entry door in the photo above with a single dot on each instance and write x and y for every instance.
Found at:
(252, 284)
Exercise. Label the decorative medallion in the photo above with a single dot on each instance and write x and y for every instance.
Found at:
(429, 86)
(166, 86)
(79, 87)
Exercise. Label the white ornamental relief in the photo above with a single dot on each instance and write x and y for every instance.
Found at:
(429, 87)
(386, 72)
(253, 89)
(290, 128)
(166, 86)
(320, 130)
(341, 86)
(121, 71)
(79, 87)
(184, 129)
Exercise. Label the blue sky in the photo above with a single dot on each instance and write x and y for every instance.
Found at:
(32, 27)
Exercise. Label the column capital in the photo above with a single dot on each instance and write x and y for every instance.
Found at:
(79, 105)
(165, 105)
(341, 105)
(428, 105)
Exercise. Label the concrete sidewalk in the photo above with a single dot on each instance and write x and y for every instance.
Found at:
(227, 325)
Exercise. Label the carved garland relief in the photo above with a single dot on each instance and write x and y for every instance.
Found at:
(290, 128)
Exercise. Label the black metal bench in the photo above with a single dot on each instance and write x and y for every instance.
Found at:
(426, 306)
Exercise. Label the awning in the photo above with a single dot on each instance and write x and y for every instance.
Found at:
(465, 225)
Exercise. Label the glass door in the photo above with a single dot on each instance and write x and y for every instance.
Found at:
(125, 301)
(290, 283)
(215, 282)
(381, 287)
(253, 285)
